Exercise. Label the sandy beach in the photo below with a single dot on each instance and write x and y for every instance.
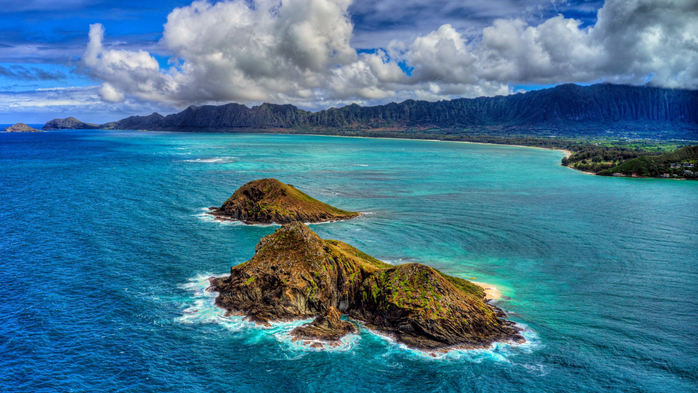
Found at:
(491, 292)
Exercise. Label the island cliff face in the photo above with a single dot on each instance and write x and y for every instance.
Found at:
(295, 274)
(21, 127)
(269, 201)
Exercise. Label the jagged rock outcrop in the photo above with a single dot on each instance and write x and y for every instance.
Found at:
(267, 201)
(422, 309)
(69, 123)
(21, 127)
(327, 327)
(583, 109)
(294, 274)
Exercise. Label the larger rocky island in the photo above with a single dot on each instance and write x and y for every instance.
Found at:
(268, 201)
(295, 274)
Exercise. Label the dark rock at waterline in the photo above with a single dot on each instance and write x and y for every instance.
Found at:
(295, 274)
(326, 327)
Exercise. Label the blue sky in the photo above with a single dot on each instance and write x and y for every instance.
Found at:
(43, 43)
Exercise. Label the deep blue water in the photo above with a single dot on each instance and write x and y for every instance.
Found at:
(104, 254)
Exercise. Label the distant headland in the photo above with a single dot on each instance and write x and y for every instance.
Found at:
(69, 123)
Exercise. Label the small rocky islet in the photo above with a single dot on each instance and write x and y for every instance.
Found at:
(21, 127)
(268, 201)
(296, 275)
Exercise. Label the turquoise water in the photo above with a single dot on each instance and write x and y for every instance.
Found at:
(105, 253)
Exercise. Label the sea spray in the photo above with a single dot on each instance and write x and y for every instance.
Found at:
(201, 309)
(214, 160)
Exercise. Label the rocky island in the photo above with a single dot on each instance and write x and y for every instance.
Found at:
(295, 274)
(21, 127)
(268, 201)
(69, 123)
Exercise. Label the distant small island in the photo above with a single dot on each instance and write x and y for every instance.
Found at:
(268, 201)
(69, 123)
(21, 127)
(295, 274)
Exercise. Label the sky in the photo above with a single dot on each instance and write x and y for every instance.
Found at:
(102, 60)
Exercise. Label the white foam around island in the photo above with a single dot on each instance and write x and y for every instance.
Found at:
(203, 310)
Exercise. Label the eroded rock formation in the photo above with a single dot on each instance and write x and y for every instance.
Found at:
(295, 274)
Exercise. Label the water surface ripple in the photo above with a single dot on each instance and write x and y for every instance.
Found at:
(104, 254)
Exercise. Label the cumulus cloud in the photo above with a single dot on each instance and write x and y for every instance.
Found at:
(40, 105)
(299, 51)
(126, 72)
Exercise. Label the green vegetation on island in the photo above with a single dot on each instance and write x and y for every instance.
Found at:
(267, 201)
(295, 274)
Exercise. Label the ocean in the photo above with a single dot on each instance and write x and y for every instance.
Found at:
(105, 252)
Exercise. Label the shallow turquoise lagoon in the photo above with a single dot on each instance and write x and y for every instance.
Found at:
(105, 251)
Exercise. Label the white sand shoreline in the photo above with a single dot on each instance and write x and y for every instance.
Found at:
(567, 152)
(491, 292)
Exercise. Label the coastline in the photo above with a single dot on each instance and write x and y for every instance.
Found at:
(567, 152)
(491, 292)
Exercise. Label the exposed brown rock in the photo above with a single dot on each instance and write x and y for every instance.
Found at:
(296, 275)
(420, 308)
(267, 201)
(326, 327)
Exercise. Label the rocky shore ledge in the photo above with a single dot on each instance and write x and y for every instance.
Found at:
(295, 274)
(268, 201)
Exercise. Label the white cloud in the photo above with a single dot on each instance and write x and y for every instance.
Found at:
(41, 105)
(299, 52)
(110, 94)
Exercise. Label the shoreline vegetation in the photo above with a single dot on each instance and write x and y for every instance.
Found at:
(602, 126)
(602, 157)
(617, 157)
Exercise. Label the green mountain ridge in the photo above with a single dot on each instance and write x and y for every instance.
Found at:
(564, 110)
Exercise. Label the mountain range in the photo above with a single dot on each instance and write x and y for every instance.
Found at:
(564, 110)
